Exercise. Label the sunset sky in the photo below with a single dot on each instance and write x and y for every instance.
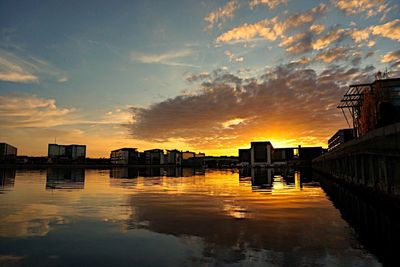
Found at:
(208, 76)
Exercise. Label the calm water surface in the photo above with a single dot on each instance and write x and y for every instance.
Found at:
(126, 217)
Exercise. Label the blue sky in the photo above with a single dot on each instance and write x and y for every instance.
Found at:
(79, 67)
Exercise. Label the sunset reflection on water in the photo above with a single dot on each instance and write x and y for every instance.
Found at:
(179, 217)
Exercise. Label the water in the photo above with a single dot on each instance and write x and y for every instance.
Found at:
(175, 217)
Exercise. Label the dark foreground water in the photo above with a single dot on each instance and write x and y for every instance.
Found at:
(175, 217)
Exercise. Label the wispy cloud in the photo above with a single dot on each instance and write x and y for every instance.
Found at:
(27, 69)
(30, 111)
(11, 72)
(167, 58)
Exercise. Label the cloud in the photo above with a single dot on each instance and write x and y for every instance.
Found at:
(63, 79)
(32, 111)
(222, 14)
(271, 29)
(291, 39)
(333, 54)
(26, 68)
(367, 7)
(299, 43)
(389, 30)
(232, 57)
(11, 72)
(334, 36)
(360, 35)
(284, 103)
(391, 56)
(167, 58)
(308, 16)
(120, 115)
(264, 29)
(317, 28)
(197, 77)
(272, 4)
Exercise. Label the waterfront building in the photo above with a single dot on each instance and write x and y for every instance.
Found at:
(261, 153)
(124, 156)
(372, 105)
(282, 155)
(244, 156)
(154, 156)
(174, 157)
(67, 153)
(220, 162)
(309, 153)
(8, 153)
(340, 137)
(199, 155)
(188, 155)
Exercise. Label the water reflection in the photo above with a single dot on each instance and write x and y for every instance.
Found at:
(7, 178)
(129, 173)
(377, 224)
(65, 178)
(179, 216)
(265, 179)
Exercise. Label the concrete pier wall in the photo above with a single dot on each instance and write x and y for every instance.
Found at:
(372, 161)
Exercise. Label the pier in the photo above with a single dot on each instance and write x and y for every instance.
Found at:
(371, 162)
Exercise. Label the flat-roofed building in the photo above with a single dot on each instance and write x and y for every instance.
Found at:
(188, 155)
(124, 156)
(340, 137)
(154, 156)
(174, 157)
(8, 153)
(244, 156)
(59, 153)
(282, 155)
(310, 153)
(261, 153)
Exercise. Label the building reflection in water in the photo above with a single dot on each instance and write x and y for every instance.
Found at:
(125, 176)
(65, 178)
(129, 173)
(213, 219)
(7, 178)
(293, 226)
(377, 223)
(124, 173)
(265, 178)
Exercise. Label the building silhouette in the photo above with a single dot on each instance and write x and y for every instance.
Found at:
(124, 156)
(8, 153)
(340, 137)
(66, 153)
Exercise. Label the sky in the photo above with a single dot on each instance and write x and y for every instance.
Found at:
(207, 76)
